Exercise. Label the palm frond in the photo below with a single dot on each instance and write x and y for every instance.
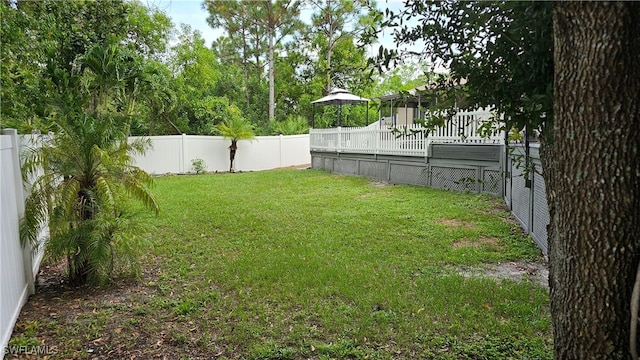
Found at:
(235, 127)
(34, 220)
(66, 198)
(139, 146)
(105, 192)
(99, 250)
(137, 189)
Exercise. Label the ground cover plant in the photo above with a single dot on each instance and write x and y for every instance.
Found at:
(298, 264)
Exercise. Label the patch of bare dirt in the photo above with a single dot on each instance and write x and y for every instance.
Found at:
(536, 272)
(456, 223)
(299, 167)
(482, 241)
(379, 183)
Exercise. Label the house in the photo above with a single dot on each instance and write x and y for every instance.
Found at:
(403, 108)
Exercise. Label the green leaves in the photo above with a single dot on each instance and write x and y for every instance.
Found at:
(292, 125)
(502, 50)
(82, 177)
(234, 126)
(43, 41)
(81, 194)
(82, 76)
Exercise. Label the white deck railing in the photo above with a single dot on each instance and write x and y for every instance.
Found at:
(410, 140)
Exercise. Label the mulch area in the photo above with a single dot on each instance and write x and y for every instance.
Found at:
(114, 322)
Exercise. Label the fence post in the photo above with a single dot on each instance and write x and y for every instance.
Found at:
(376, 144)
(183, 149)
(532, 197)
(339, 140)
(281, 141)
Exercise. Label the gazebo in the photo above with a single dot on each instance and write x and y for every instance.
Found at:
(338, 97)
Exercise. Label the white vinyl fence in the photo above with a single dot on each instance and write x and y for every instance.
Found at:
(18, 266)
(176, 153)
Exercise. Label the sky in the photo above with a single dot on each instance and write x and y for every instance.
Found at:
(188, 12)
(191, 12)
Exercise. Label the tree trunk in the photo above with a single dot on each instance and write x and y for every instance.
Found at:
(232, 155)
(591, 164)
(78, 269)
(329, 54)
(330, 45)
(272, 89)
(245, 70)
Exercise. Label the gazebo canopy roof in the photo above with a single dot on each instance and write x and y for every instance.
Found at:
(339, 96)
(415, 93)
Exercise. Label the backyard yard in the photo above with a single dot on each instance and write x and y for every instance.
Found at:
(303, 264)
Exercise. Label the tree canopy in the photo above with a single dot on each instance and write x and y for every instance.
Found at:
(270, 62)
(499, 53)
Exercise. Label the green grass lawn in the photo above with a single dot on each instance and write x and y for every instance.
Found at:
(297, 264)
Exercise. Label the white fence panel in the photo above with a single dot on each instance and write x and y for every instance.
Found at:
(164, 156)
(213, 150)
(465, 126)
(26, 142)
(17, 267)
(370, 141)
(175, 154)
(262, 153)
(294, 150)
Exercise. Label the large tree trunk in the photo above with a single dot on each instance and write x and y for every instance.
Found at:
(592, 171)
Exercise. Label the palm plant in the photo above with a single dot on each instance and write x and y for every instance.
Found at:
(292, 125)
(236, 128)
(83, 178)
